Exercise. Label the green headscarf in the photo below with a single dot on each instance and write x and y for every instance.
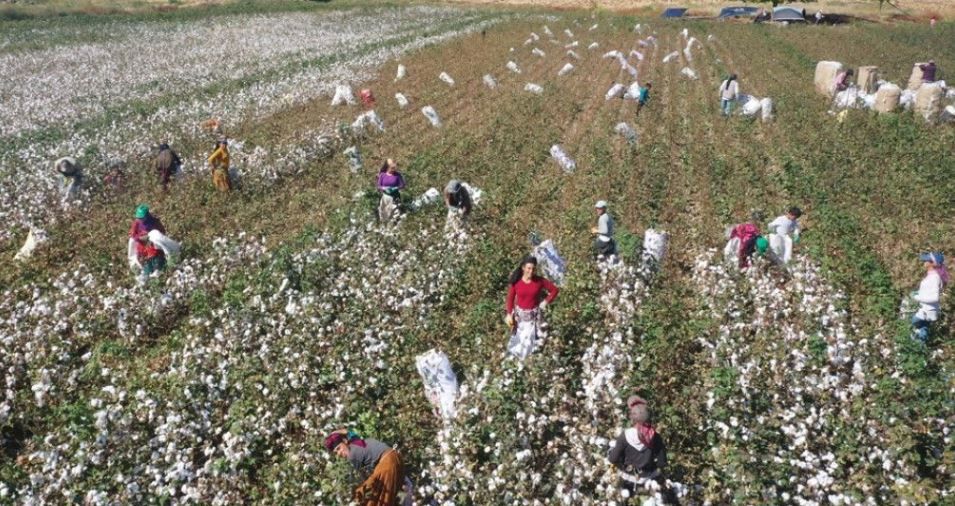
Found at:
(142, 210)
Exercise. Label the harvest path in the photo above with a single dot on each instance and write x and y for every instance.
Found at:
(302, 316)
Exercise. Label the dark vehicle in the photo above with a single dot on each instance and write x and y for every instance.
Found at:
(674, 12)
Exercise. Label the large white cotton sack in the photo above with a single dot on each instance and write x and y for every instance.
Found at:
(565, 162)
(750, 105)
(432, 115)
(551, 263)
(593, 45)
(907, 99)
(131, 256)
(592, 28)
(533, 88)
(948, 114)
(915, 78)
(613, 54)
(867, 79)
(689, 73)
(847, 99)
(782, 247)
(446, 78)
(766, 109)
(571, 45)
(825, 77)
(573, 55)
(615, 91)
(671, 56)
(731, 250)
(513, 67)
(402, 100)
(489, 81)
(440, 382)
(35, 237)
(425, 199)
(655, 245)
(343, 95)
(535, 37)
(547, 31)
(354, 158)
(928, 101)
(368, 118)
(568, 33)
(538, 52)
(887, 98)
(633, 91)
(528, 42)
(168, 246)
(627, 132)
(566, 69)
(401, 73)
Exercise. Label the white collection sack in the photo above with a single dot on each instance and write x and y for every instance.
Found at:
(34, 238)
(538, 52)
(689, 73)
(627, 132)
(401, 73)
(766, 109)
(343, 95)
(354, 158)
(594, 27)
(547, 31)
(654, 248)
(533, 88)
(636, 54)
(562, 159)
(568, 33)
(513, 67)
(131, 257)
(427, 198)
(368, 118)
(489, 81)
(615, 91)
(167, 245)
(551, 263)
(432, 115)
(671, 56)
(566, 69)
(613, 54)
(633, 91)
(731, 250)
(593, 45)
(402, 100)
(446, 78)
(782, 247)
(572, 45)
(440, 382)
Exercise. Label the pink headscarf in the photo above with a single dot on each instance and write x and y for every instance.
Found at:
(640, 417)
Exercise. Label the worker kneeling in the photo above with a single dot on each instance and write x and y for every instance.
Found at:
(382, 472)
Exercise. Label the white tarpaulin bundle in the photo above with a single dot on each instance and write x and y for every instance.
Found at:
(627, 132)
(489, 81)
(750, 105)
(446, 78)
(550, 262)
(689, 73)
(432, 115)
(513, 67)
(427, 198)
(573, 55)
(343, 95)
(401, 73)
(402, 101)
(34, 238)
(368, 118)
(669, 57)
(538, 52)
(533, 88)
(354, 158)
(440, 382)
(562, 159)
(654, 248)
(566, 69)
(615, 91)
(593, 45)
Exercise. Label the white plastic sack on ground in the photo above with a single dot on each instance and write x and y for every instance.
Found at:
(440, 382)
(568, 33)
(847, 99)
(131, 257)
(613, 54)
(643, 43)
(538, 52)
(573, 55)
(167, 245)
(615, 91)
(563, 160)
(592, 28)
(572, 45)
(669, 57)
(34, 238)
(513, 67)
(750, 105)
(432, 115)
(782, 246)
(627, 132)
(633, 91)
(402, 101)
(446, 78)
(689, 73)
(654, 248)
(566, 69)
(368, 118)
(766, 109)
(489, 81)
(688, 55)
(907, 99)
(593, 45)
(354, 158)
(401, 73)
(685, 33)
(550, 262)
(637, 28)
(343, 95)
(528, 42)
(535, 36)
(427, 198)
(387, 208)
(533, 88)
(547, 31)
(636, 54)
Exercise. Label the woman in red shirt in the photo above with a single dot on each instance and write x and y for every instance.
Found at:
(525, 304)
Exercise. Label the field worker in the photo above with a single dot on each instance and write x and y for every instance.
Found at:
(929, 294)
(526, 302)
(168, 163)
(842, 80)
(390, 183)
(151, 257)
(932, 21)
(729, 93)
(928, 71)
(219, 163)
(644, 96)
(381, 472)
(639, 453)
(72, 176)
(819, 17)
(783, 227)
(604, 244)
(747, 233)
(456, 196)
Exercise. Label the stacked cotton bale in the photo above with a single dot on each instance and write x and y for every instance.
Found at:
(928, 101)
(887, 98)
(915, 78)
(826, 72)
(868, 79)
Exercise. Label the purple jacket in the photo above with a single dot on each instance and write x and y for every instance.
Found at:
(928, 72)
(386, 180)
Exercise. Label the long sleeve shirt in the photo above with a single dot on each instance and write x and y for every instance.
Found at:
(167, 161)
(729, 90)
(529, 295)
(929, 296)
(630, 455)
(386, 180)
(928, 72)
(605, 228)
(783, 225)
(365, 459)
(139, 230)
(219, 158)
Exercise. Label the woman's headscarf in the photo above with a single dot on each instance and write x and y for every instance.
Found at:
(938, 261)
(336, 438)
(640, 418)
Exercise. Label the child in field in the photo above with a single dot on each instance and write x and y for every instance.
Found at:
(729, 93)
(929, 294)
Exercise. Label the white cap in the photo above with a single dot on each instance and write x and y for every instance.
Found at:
(601, 204)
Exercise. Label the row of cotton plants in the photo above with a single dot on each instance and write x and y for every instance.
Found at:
(130, 134)
(788, 391)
